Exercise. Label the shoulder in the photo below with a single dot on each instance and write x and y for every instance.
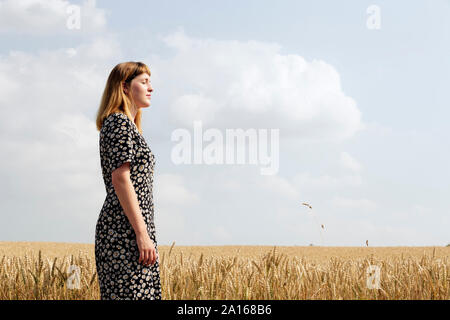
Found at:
(116, 119)
(118, 123)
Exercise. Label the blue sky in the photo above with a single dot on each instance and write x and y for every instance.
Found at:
(372, 161)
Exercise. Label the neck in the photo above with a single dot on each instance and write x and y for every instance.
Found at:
(133, 111)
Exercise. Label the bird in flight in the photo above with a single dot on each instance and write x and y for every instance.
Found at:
(304, 203)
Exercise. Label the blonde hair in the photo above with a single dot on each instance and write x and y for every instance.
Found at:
(114, 98)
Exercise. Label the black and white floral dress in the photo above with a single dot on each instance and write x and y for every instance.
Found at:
(120, 274)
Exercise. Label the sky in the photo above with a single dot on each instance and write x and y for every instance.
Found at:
(358, 91)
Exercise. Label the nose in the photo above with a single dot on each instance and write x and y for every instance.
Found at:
(150, 89)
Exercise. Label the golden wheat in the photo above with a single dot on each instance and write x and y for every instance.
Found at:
(40, 271)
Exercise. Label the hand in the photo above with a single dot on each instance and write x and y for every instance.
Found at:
(147, 251)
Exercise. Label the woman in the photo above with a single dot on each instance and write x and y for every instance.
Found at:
(126, 252)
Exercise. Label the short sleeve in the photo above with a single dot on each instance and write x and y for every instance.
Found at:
(119, 141)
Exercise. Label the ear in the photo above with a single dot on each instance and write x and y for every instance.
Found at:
(125, 88)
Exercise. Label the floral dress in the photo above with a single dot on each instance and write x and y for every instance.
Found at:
(120, 275)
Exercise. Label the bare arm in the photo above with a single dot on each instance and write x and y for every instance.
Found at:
(128, 198)
(129, 202)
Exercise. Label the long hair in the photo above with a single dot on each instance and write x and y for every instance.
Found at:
(114, 98)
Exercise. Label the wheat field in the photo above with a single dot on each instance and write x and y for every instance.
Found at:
(54, 271)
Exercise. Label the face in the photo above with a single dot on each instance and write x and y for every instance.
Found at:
(141, 89)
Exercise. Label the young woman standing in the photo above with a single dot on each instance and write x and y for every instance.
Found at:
(126, 250)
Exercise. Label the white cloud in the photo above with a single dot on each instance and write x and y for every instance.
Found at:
(234, 84)
(363, 204)
(171, 191)
(276, 184)
(49, 16)
(422, 211)
(349, 162)
(306, 181)
(51, 83)
(194, 104)
(173, 202)
(49, 135)
(415, 212)
(78, 128)
(221, 234)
